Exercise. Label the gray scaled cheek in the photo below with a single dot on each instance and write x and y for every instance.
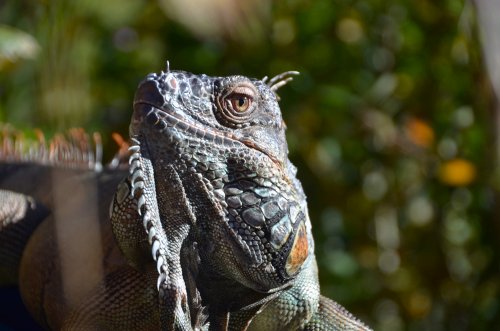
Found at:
(280, 232)
(254, 217)
(270, 209)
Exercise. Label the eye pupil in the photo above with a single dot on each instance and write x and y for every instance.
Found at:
(240, 103)
(237, 104)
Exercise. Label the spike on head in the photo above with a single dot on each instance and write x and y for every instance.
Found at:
(281, 80)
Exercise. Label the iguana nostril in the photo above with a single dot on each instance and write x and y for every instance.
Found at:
(149, 92)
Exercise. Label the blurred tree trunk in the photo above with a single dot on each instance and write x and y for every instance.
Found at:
(488, 12)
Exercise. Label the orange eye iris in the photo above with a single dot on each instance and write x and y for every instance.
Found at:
(236, 104)
(239, 103)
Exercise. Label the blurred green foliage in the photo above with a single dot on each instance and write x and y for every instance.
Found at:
(390, 124)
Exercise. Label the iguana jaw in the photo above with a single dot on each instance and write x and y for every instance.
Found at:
(164, 122)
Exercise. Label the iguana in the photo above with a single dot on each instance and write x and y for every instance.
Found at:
(209, 225)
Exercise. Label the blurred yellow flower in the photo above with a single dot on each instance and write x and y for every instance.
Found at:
(457, 172)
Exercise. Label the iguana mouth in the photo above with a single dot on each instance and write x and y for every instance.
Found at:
(162, 118)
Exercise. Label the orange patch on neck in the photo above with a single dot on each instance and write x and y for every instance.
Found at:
(299, 252)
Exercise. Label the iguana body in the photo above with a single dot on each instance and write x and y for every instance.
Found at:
(210, 194)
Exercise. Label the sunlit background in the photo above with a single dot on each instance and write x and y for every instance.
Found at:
(392, 124)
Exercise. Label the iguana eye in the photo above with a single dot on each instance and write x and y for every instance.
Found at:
(236, 104)
(239, 103)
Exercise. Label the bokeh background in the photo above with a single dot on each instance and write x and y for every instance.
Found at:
(392, 124)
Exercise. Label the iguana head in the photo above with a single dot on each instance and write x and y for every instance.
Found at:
(230, 108)
(228, 133)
